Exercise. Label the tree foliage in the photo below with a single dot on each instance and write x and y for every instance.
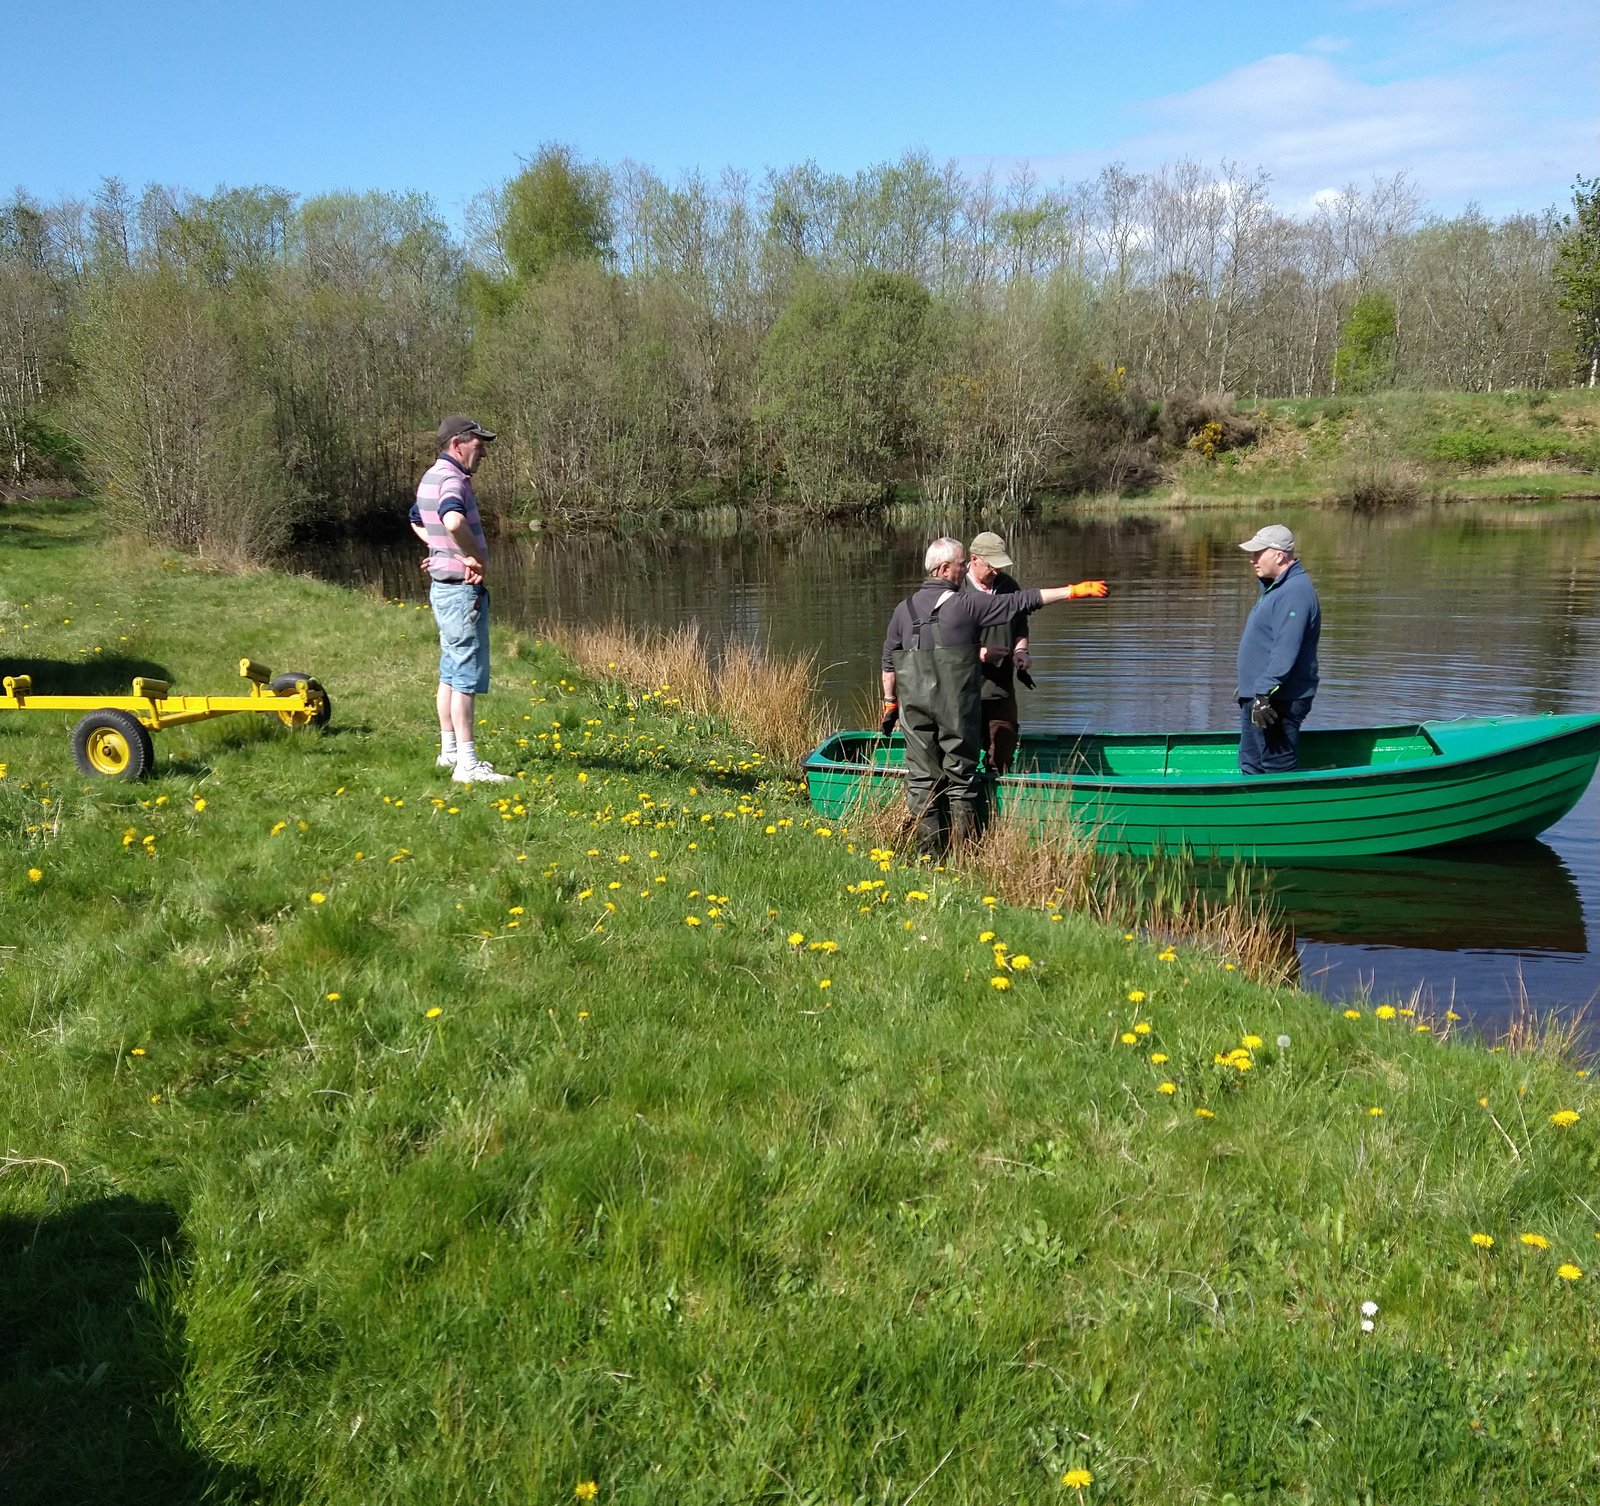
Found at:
(846, 372)
(1577, 273)
(1365, 359)
(819, 336)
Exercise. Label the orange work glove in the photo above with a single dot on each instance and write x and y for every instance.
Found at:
(1088, 588)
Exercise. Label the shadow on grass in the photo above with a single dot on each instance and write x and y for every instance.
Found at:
(91, 1358)
(104, 674)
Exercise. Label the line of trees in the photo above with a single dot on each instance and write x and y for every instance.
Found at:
(229, 368)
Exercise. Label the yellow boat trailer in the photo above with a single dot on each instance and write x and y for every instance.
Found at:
(114, 738)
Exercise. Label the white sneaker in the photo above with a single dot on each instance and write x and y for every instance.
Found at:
(445, 761)
(479, 773)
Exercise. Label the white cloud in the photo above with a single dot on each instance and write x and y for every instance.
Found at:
(1506, 125)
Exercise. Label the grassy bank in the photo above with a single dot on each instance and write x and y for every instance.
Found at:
(624, 1135)
(1398, 447)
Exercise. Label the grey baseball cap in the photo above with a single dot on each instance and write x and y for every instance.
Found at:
(1273, 536)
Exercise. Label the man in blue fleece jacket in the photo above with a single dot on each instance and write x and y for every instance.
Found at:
(1277, 655)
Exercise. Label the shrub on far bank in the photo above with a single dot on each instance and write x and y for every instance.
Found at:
(1373, 483)
(1206, 423)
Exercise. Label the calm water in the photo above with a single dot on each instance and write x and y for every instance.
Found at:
(1456, 611)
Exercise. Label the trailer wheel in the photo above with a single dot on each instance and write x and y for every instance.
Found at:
(318, 717)
(113, 744)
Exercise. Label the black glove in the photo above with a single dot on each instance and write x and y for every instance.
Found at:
(891, 715)
(1024, 678)
(1262, 713)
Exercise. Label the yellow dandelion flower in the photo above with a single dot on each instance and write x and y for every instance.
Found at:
(586, 1490)
(1568, 1272)
(824, 982)
(1385, 1011)
(1565, 1118)
(796, 937)
(1001, 982)
(200, 804)
(1250, 1042)
(1078, 1479)
(1535, 1241)
(137, 1051)
(34, 875)
(318, 897)
(332, 998)
(691, 920)
(1142, 1028)
(1022, 962)
(1204, 1114)
(1375, 1112)
(1136, 996)
(986, 936)
(1158, 1057)
(1168, 1088)
(1483, 1241)
(1128, 1038)
(433, 1013)
(1352, 1014)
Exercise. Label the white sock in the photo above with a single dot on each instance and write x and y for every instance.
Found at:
(466, 753)
(447, 745)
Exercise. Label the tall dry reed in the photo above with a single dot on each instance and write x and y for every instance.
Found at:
(770, 699)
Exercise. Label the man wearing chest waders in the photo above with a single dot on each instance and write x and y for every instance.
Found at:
(931, 687)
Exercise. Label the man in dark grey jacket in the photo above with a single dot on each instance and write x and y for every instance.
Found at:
(930, 686)
(1277, 655)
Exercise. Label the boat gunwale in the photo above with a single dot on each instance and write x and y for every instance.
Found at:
(1441, 762)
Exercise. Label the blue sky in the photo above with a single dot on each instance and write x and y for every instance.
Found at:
(1493, 101)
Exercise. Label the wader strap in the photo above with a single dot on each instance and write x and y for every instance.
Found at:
(931, 620)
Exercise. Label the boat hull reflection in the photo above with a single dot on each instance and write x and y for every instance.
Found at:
(1508, 896)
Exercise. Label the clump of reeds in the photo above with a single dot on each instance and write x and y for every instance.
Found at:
(1549, 1033)
(768, 698)
(1057, 868)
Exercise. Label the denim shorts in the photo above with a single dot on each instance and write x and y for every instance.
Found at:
(462, 612)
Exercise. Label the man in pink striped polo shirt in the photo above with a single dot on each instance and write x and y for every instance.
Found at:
(446, 520)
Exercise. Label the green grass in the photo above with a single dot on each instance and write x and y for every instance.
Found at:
(1535, 445)
(461, 1185)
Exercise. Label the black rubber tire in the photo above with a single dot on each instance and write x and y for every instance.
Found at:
(113, 744)
(317, 719)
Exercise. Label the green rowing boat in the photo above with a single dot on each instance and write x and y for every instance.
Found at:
(1358, 790)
